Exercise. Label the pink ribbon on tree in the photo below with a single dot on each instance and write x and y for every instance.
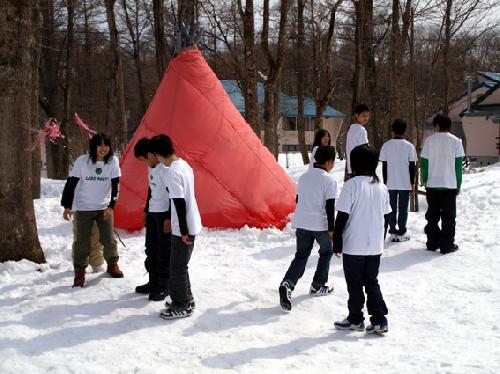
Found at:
(51, 131)
(84, 126)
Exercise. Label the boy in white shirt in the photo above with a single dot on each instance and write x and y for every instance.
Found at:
(359, 236)
(186, 224)
(314, 220)
(156, 212)
(398, 158)
(357, 134)
(441, 161)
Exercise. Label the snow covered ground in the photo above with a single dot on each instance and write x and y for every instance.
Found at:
(444, 310)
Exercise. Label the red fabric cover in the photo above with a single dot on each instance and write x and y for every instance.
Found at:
(237, 180)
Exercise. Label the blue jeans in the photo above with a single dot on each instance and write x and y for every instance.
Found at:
(399, 203)
(305, 241)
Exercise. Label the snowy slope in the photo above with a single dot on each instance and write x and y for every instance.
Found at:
(443, 309)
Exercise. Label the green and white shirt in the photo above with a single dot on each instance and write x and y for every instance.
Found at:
(94, 185)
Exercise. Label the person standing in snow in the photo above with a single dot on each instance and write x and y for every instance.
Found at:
(322, 137)
(398, 158)
(158, 237)
(98, 176)
(441, 161)
(357, 134)
(186, 224)
(359, 236)
(313, 220)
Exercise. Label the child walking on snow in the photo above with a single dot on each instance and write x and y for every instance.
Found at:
(357, 134)
(156, 212)
(313, 220)
(398, 158)
(442, 157)
(186, 224)
(359, 236)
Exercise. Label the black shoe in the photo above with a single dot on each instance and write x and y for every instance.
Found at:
(145, 288)
(159, 294)
(191, 304)
(451, 249)
(174, 313)
(432, 248)
(285, 291)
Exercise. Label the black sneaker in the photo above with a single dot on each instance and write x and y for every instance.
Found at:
(451, 249)
(379, 329)
(191, 304)
(159, 294)
(320, 290)
(145, 288)
(285, 291)
(174, 313)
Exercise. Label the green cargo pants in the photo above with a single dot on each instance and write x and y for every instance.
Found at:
(84, 222)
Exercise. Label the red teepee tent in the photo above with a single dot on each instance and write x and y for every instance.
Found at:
(238, 182)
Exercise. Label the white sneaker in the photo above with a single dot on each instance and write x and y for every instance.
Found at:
(402, 238)
(97, 269)
(393, 238)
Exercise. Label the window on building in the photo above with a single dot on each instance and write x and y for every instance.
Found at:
(289, 123)
(311, 124)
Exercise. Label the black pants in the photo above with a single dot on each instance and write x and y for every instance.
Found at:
(158, 244)
(441, 206)
(180, 285)
(362, 271)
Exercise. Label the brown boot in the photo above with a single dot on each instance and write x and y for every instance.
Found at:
(79, 277)
(114, 271)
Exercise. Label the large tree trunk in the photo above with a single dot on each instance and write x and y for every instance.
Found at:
(275, 65)
(446, 62)
(324, 82)
(57, 154)
(136, 47)
(117, 118)
(300, 81)
(394, 65)
(250, 81)
(187, 9)
(20, 27)
(159, 32)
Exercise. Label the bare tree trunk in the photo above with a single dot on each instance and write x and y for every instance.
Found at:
(117, 92)
(159, 32)
(323, 65)
(187, 9)
(371, 75)
(72, 140)
(136, 47)
(358, 84)
(446, 48)
(301, 128)
(414, 122)
(57, 154)
(19, 51)
(274, 70)
(394, 66)
(250, 81)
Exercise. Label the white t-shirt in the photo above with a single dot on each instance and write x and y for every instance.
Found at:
(160, 199)
(398, 153)
(356, 135)
(315, 186)
(313, 160)
(180, 183)
(93, 191)
(441, 149)
(366, 203)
